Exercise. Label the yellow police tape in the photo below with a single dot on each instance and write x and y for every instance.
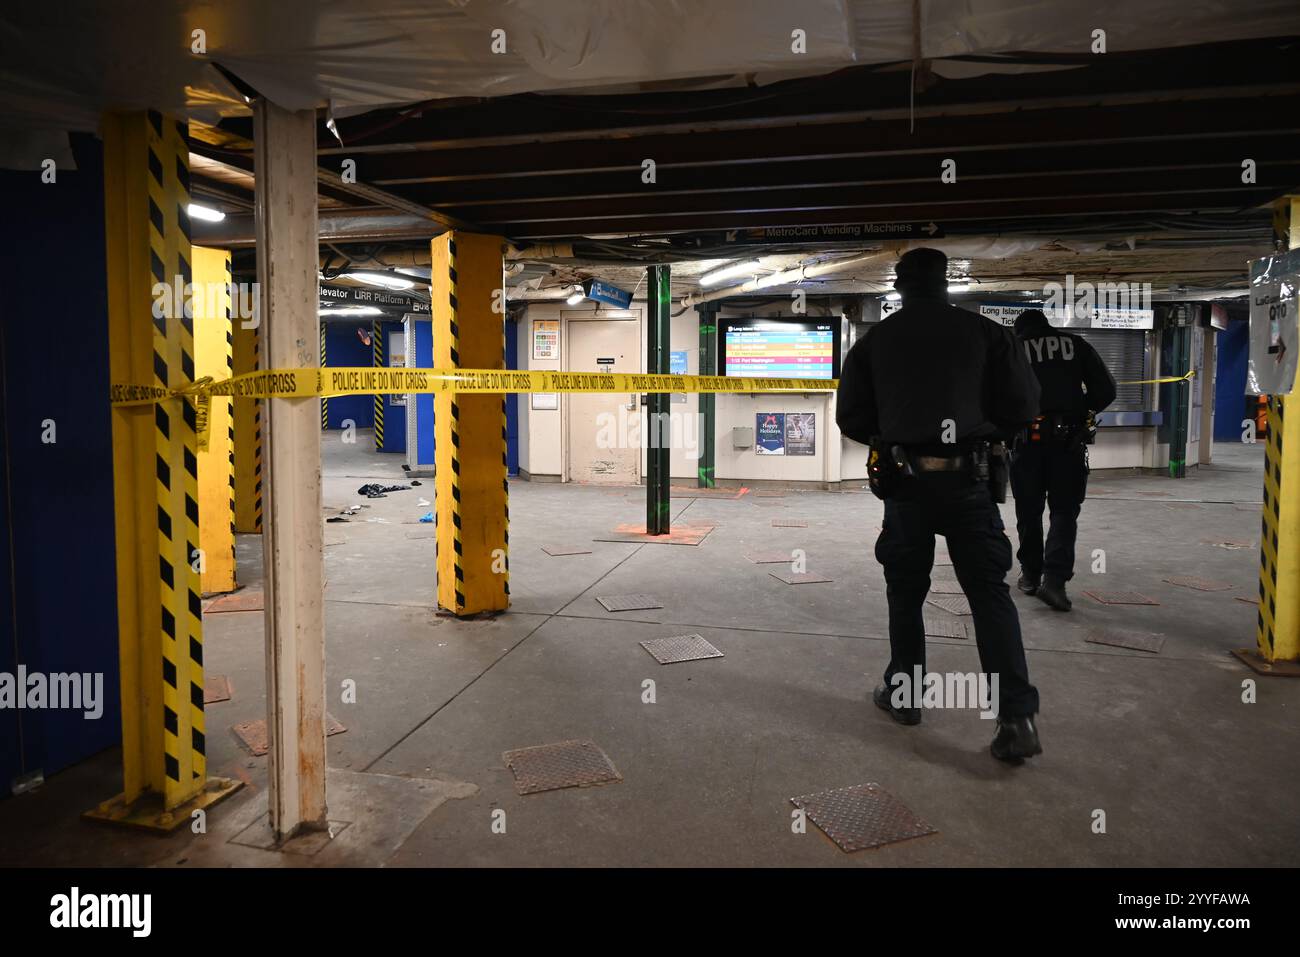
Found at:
(367, 380)
(1168, 378)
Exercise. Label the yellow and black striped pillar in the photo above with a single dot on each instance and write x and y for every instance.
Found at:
(155, 476)
(324, 402)
(470, 483)
(377, 350)
(248, 424)
(1277, 636)
(212, 358)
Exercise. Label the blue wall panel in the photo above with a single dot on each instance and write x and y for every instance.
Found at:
(59, 522)
(1230, 400)
(343, 348)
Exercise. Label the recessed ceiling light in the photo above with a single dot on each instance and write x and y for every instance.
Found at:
(382, 280)
(205, 213)
(730, 272)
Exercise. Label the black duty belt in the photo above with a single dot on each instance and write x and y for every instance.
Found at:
(940, 463)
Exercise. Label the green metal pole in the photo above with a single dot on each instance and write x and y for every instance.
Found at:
(1179, 392)
(708, 312)
(657, 521)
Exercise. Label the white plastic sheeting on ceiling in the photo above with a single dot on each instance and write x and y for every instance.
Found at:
(61, 65)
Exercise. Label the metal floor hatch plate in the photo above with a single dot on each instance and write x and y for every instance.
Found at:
(216, 688)
(953, 604)
(252, 734)
(945, 588)
(789, 523)
(556, 551)
(862, 816)
(1120, 598)
(1137, 641)
(948, 628)
(799, 578)
(629, 602)
(568, 764)
(1200, 584)
(771, 558)
(678, 648)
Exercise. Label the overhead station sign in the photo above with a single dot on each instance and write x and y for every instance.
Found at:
(390, 302)
(848, 232)
(604, 292)
(1006, 314)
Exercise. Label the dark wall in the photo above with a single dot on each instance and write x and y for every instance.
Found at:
(58, 588)
(343, 347)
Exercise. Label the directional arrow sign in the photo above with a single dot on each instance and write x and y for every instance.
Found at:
(849, 232)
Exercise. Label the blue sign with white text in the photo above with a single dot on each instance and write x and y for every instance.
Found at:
(604, 292)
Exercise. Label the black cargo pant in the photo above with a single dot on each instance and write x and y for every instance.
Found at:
(1055, 474)
(954, 506)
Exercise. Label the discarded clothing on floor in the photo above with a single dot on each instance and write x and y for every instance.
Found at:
(427, 517)
(375, 490)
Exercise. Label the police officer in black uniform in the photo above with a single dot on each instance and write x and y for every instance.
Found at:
(1050, 459)
(930, 389)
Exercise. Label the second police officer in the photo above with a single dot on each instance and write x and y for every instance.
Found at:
(932, 388)
(1050, 461)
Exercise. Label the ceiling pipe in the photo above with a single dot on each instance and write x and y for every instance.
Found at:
(793, 275)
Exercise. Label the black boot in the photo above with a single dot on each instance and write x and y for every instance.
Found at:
(1052, 593)
(881, 697)
(1028, 583)
(1016, 739)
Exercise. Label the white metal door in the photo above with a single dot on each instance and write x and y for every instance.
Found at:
(604, 429)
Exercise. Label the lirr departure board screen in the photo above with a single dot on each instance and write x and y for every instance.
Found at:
(762, 348)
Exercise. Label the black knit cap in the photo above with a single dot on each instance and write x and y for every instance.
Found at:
(921, 271)
(1029, 322)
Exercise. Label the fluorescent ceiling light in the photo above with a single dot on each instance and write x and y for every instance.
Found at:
(353, 311)
(381, 279)
(577, 297)
(728, 272)
(958, 286)
(893, 297)
(206, 213)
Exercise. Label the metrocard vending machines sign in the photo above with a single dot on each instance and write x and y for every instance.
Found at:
(1274, 327)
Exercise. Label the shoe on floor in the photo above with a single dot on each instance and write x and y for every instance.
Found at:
(1028, 583)
(881, 697)
(1016, 739)
(1053, 595)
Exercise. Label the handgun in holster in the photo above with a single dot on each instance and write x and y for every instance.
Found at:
(886, 466)
(999, 471)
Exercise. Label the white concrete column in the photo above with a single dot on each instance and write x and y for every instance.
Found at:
(287, 262)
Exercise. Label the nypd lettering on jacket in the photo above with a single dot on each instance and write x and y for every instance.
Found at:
(1046, 348)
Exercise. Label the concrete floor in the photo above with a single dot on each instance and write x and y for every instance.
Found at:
(1187, 773)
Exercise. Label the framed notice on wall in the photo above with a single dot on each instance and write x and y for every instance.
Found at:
(544, 401)
(801, 433)
(546, 338)
(769, 433)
